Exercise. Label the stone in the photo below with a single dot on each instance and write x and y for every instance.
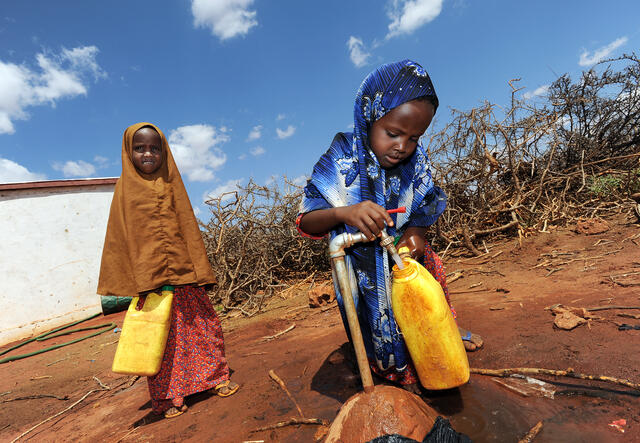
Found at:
(385, 410)
(322, 295)
(567, 320)
(591, 226)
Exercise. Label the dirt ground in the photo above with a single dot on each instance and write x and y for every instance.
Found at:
(501, 295)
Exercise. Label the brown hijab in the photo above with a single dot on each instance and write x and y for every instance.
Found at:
(152, 236)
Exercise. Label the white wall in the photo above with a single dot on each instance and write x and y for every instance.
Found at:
(50, 248)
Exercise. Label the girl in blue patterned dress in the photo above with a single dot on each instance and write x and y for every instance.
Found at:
(380, 166)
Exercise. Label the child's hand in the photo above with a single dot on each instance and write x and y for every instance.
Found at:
(369, 217)
(413, 238)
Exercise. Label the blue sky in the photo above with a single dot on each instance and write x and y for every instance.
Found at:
(255, 88)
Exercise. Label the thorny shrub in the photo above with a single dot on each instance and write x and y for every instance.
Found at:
(538, 162)
(254, 247)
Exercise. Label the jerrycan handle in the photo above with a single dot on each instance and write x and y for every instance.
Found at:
(142, 298)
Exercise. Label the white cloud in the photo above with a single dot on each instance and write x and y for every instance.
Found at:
(258, 150)
(286, 133)
(196, 211)
(539, 91)
(286, 185)
(255, 133)
(356, 51)
(280, 117)
(587, 59)
(100, 161)
(408, 15)
(225, 18)
(242, 156)
(194, 149)
(75, 168)
(59, 76)
(83, 58)
(229, 186)
(12, 172)
(272, 180)
(301, 180)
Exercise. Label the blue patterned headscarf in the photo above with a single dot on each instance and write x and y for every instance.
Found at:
(349, 173)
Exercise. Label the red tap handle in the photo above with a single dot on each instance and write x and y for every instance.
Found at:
(401, 209)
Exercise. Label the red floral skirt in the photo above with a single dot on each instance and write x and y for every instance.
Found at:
(194, 358)
(408, 376)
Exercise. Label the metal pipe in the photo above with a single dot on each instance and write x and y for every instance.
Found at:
(336, 252)
(354, 326)
(342, 241)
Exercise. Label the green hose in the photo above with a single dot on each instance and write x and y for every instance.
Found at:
(50, 334)
(89, 328)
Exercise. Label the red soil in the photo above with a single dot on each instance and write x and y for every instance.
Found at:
(507, 308)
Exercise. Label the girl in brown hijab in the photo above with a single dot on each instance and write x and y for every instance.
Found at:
(153, 240)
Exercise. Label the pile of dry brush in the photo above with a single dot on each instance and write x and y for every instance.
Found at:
(576, 153)
(254, 247)
(539, 162)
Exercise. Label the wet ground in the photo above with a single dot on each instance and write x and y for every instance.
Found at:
(501, 296)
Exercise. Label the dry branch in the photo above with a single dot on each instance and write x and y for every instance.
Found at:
(271, 337)
(293, 421)
(35, 396)
(469, 290)
(280, 382)
(635, 316)
(555, 372)
(602, 308)
(528, 438)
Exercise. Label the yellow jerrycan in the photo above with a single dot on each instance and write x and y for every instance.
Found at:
(428, 327)
(144, 335)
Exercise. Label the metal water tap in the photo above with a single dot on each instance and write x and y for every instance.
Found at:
(386, 241)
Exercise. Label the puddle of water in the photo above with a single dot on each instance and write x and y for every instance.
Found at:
(487, 412)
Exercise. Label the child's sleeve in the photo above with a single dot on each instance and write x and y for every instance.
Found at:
(312, 200)
(431, 207)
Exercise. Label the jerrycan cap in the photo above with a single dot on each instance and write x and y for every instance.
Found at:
(404, 252)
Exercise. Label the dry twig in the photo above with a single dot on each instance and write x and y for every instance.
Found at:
(555, 372)
(528, 438)
(278, 380)
(636, 316)
(271, 337)
(293, 421)
(35, 397)
(469, 290)
(603, 308)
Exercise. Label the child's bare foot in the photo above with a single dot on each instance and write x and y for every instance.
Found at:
(472, 342)
(174, 411)
(227, 388)
(414, 388)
